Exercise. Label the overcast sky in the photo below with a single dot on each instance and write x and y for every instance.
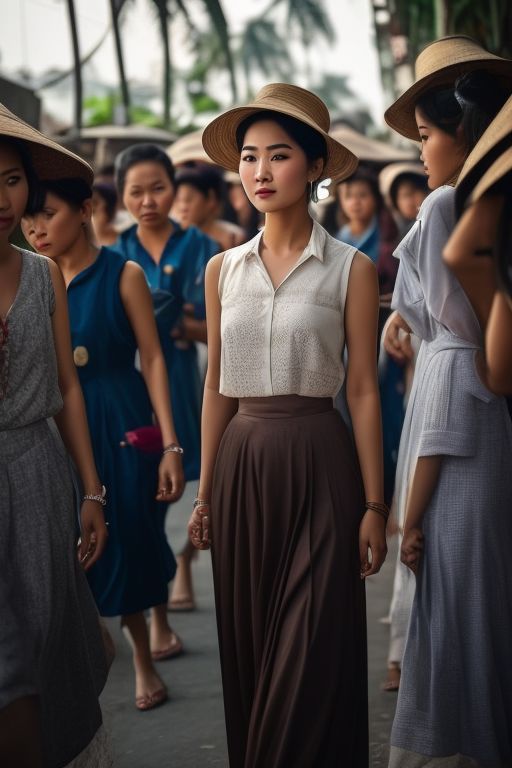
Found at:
(35, 34)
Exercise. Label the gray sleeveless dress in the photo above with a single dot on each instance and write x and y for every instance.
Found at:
(50, 640)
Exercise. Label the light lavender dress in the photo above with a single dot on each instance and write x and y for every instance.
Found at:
(50, 641)
(455, 700)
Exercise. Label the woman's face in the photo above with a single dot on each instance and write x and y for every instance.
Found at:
(148, 194)
(357, 201)
(56, 228)
(443, 155)
(274, 169)
(13, 190)
(191, 206)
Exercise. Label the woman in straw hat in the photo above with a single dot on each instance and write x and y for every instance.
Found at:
(282, 490)
(52, 660)
(479, 250)
(111, 318)
(454, 484)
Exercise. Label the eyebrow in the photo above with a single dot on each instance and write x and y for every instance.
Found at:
(425, 127)
(10, 170)
(270, 146)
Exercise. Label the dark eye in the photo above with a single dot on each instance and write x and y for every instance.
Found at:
(423, 137)
(279, 157)
(248, 158)
(13, 180)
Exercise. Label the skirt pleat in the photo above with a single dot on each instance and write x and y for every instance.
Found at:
(286, 508)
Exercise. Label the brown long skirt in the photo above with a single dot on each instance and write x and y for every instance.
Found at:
(286, 507)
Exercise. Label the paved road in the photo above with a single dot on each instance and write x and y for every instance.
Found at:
(188, 731)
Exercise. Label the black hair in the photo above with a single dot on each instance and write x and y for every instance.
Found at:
(310, 141)
(472, 104)
(73, 191)
(368, 177)
(108, 193)
(418, 180)
(141, 153)
(202, 179)
(20, 147)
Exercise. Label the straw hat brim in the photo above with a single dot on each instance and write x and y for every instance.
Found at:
(401, 114)
(500, 168)
(50, 160)
(219, 140)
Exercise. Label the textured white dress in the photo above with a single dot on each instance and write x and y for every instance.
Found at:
(455, 700)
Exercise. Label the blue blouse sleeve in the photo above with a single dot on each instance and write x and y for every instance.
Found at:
(202, 248)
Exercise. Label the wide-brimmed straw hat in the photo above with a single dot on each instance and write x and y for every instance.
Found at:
(219, 136)
(440, 64)
(188, 149)
(390, 173)
(489, 160)
(50, 160)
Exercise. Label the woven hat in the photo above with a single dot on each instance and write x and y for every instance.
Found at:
(219, 136)
(440, 64)
(50, 160)
(391, 172)
(490, 158)
(187, 149)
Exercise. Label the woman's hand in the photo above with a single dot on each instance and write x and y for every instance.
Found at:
(372, 536)
(199, 527)
(397, 339)
(94, 533)
(171, 479)
(412, 548)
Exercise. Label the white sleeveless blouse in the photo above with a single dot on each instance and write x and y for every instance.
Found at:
(289, 340)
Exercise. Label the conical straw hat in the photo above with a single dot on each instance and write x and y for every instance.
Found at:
(440, 64)
(219, 136)
(50, 160)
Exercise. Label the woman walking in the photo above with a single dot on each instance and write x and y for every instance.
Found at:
(52, 660)
(111, 316)
(174, 261)
(454, 483)
(282, 489)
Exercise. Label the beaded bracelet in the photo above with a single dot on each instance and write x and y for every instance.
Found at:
(100, 498)
(201, 503)
(378, 507)
(173, 448)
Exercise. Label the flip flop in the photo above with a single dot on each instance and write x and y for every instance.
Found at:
(151, 700)
(175, 648)
(181, 604)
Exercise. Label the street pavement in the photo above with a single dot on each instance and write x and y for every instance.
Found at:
(188, 731)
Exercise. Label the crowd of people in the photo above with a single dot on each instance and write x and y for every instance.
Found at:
(359, 358)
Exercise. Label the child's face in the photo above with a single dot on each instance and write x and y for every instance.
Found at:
(409, 197)
(56, 228)
(357, 201)
(13, 190)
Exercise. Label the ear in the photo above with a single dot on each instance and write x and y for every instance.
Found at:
(86, 210)
(315, 169)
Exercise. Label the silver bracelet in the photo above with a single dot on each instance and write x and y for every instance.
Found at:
(200, 503)
(173, 448)
(100, 498)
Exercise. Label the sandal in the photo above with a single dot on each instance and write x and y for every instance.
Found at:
(392, 684)
(151, 700)
(175, 648)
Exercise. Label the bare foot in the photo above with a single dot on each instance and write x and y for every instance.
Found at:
(392, 682)
(148, 683)
(166, 645)
(181, 597)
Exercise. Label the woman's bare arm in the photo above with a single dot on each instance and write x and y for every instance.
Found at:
(424, 482)
(138, 305)
(361, 317)
(498, 343)
(73, 427)
(218, 410)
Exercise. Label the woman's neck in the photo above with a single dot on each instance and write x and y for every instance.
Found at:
(287, 231)
(80, 256)
(359, 226)
(154, 239)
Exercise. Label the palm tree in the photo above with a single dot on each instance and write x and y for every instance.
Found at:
(77, 65)
(115, 10)
(262, 49)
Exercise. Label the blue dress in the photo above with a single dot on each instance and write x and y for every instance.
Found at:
(134, 571)
(180, 272)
